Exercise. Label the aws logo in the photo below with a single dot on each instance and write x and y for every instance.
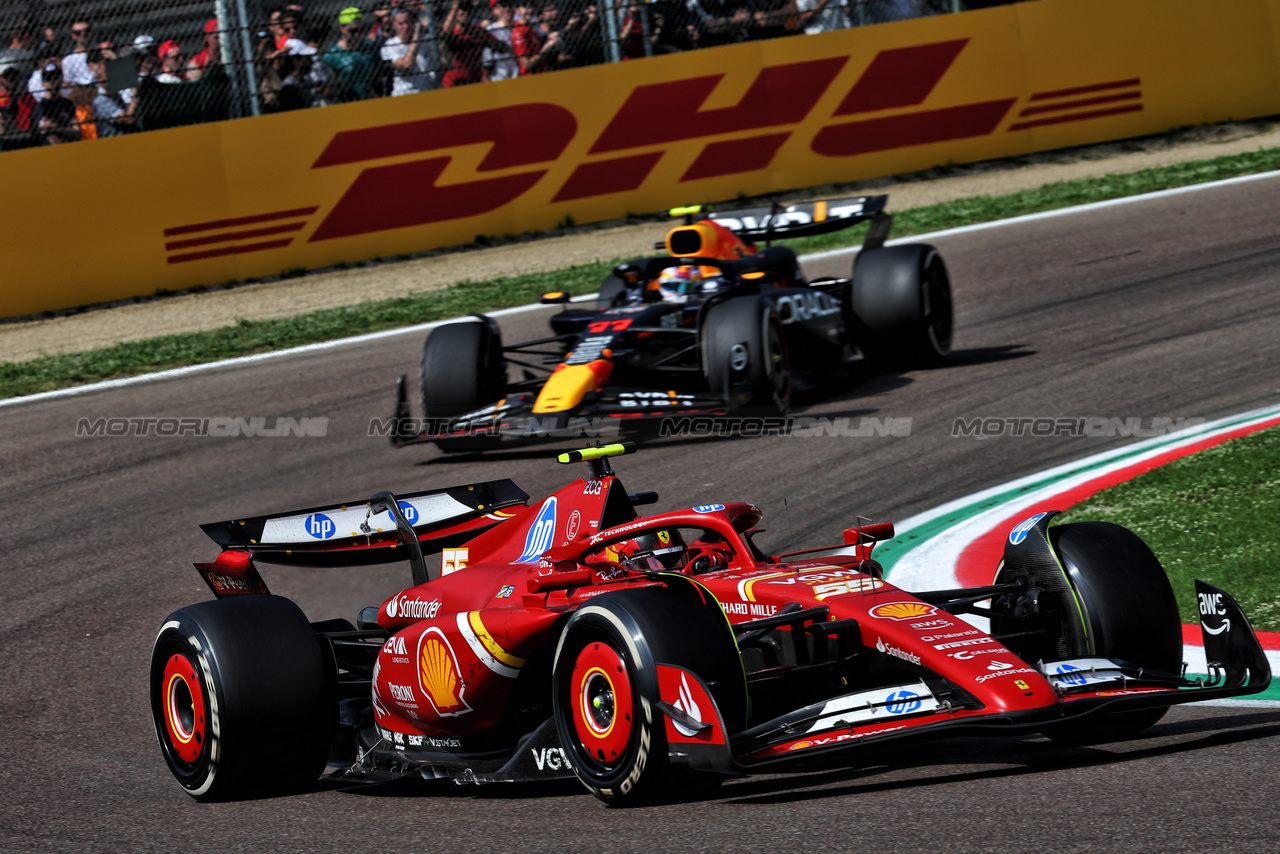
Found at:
(884, 109)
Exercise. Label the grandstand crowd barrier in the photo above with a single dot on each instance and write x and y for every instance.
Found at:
(222, 59)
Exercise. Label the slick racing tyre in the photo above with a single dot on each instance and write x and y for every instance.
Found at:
(242, 698)
(900, 311)
(745, 356)
(462, 370)
(605, 691)
(1130, 612)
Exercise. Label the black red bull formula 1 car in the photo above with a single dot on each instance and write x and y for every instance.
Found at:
(653, 656)
(714, 325)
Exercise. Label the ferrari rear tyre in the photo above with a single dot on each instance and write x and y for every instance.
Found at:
(462, 370)
(1130, 611)
(242, 698)
(745, 356)
(900, 310)
(605, 691)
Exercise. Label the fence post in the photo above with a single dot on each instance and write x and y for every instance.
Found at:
(648, 31)
(246, 63)
(613, 49)
(433, 45)
(225, 56)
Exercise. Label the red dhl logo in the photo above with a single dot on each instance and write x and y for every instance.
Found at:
(407, 194)
(234, 236)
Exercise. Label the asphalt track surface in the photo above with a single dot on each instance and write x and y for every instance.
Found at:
(1163, 308)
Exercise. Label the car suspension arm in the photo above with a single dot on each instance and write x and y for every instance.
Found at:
(969, 594)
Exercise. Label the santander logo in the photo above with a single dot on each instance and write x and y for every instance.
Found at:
(412, 609)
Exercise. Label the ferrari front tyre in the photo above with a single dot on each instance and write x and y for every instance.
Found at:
(900, 306)
(462, 370)
(745, 355)
(605, 690)
(242, 698)
(1130, 614)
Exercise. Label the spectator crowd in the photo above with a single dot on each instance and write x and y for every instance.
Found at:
(60, 85)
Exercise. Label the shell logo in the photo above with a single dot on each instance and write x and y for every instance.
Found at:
(800, 745)
(438, 674)
(903, 611)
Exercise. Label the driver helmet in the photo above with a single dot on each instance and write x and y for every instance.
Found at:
(655, 551)
(613, 555)
(677, 283)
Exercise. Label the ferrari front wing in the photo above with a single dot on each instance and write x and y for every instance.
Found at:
(930, 708)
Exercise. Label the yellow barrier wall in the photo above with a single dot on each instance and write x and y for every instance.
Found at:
(120, 217)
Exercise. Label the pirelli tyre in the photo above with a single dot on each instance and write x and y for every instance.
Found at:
(462, 370)
(605, 691)
(242, 698)
(745, 356)
(1130, 614)
(900, 306)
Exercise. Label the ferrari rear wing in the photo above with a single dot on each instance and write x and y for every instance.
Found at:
(805, 219)
(350, 533)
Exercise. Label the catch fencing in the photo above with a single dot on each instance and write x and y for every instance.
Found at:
(166, 63)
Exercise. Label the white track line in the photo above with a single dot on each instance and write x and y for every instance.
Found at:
(258, 357)
(423, 327)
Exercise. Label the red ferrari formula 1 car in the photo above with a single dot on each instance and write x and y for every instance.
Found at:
(716, 325)
(653, 655)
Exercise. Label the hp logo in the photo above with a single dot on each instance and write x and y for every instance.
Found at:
(410, 512)
(901, 702)
(541, 533)
(1068, 674)
(319, 526)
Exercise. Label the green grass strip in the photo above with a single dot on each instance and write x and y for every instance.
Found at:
(255, 336)
(1212, 515)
